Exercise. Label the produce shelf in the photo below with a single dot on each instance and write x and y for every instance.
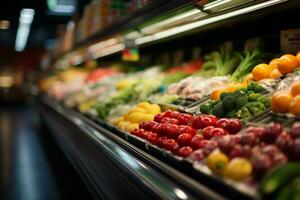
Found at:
(91, 144)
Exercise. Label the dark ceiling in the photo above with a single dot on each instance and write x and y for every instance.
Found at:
(44, 25)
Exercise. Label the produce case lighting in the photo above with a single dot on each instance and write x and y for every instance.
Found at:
(215, 4)
(102, 45)
(108, 51)
(204, 22)
(25, 20)
(4, 24)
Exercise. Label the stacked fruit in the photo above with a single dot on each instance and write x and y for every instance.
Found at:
(142, 112)
(287, 101)
(277, 67)
(257, 149)
(182, 133)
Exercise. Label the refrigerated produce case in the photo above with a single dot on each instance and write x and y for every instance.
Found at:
(118, 165)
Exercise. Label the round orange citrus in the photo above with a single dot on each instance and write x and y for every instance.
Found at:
(261, 71)
(287, 63)
(281, 101)
(275, 73)
(274, 63)
(295, 88)
(295, 105)
(298, 57)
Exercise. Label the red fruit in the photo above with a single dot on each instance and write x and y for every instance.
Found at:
(217, 132)
(295, 155)
(175, 148)
(186, 129)
(225, 143)
(208, 121)
(185, 119)
(209, 147)
(145, 135)
(138, 132)
(168, 113)
(171, 130)
(247, 139)
(158, 117)
(148, 126)
(271, 133)
(195, 142)
(222, 123)
(185, 151)
(168, 120)
(184, 139)
(284, 141)
(152, 138)
(160, 141)
(258, 131)
(197, 155)
(169, 144)
(270, 150)
(163, 129)
(197, 122)
(206, 132)
(175, 114)
(240, 151)
(143, 125)
(261, 163)
(295, 130)
(234, 126)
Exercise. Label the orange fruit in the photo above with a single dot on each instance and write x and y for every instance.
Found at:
(274, 63)
(261, 71)
(298, 57)
(215, 95)
(295, 105)
(287, 63)
(275, 74)
(281, 101)
(295, 88)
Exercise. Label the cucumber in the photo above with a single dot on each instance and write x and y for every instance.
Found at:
(278, 177)
(296, 189)
(285, 193)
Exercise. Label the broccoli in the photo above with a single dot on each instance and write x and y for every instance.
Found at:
(250, 92)
(206, 108)
(224, 94)
(251, 86)
(243, 113)
(253, 97)
(212, 103)
(231, 114)
(259, 88)
(241, 101)
(218, 110)
(229, 102)
(264, 100)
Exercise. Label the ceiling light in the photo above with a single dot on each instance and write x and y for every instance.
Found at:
(6, 81)
(4, 24)
(204, 22)
(108, 51)
(25, 20)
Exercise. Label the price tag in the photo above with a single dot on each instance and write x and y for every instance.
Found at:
(290, 40)
(131, 52)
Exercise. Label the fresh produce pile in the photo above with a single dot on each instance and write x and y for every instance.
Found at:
(142, 112)
(177, 132)
(287, 101)
(277, 67)
(243, 103)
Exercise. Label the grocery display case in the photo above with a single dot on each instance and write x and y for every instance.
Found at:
(117, 165)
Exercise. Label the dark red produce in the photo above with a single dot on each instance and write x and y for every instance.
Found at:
(175, 114)
(225, 143)
(270, 150)
(168, 113)
(197, 155)
(222, 123)
(184, 139)
(206, 132)
(172, 130)
(160, 141)
(158, 117)
(234, 126)
(169, 144)
(209, 147)
(175, 148)
(247, 139)
(261, 163)
(217, 132)
(240, 151)
(284, 141)
(279, 159)
(258, 131)
(185, 129)
(185, 151)
(152, 138)
(169, 120)
(185, 119)
(295, 130)
(197, 122)
(195, 142)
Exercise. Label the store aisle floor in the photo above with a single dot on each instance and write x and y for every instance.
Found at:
(32, 168)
